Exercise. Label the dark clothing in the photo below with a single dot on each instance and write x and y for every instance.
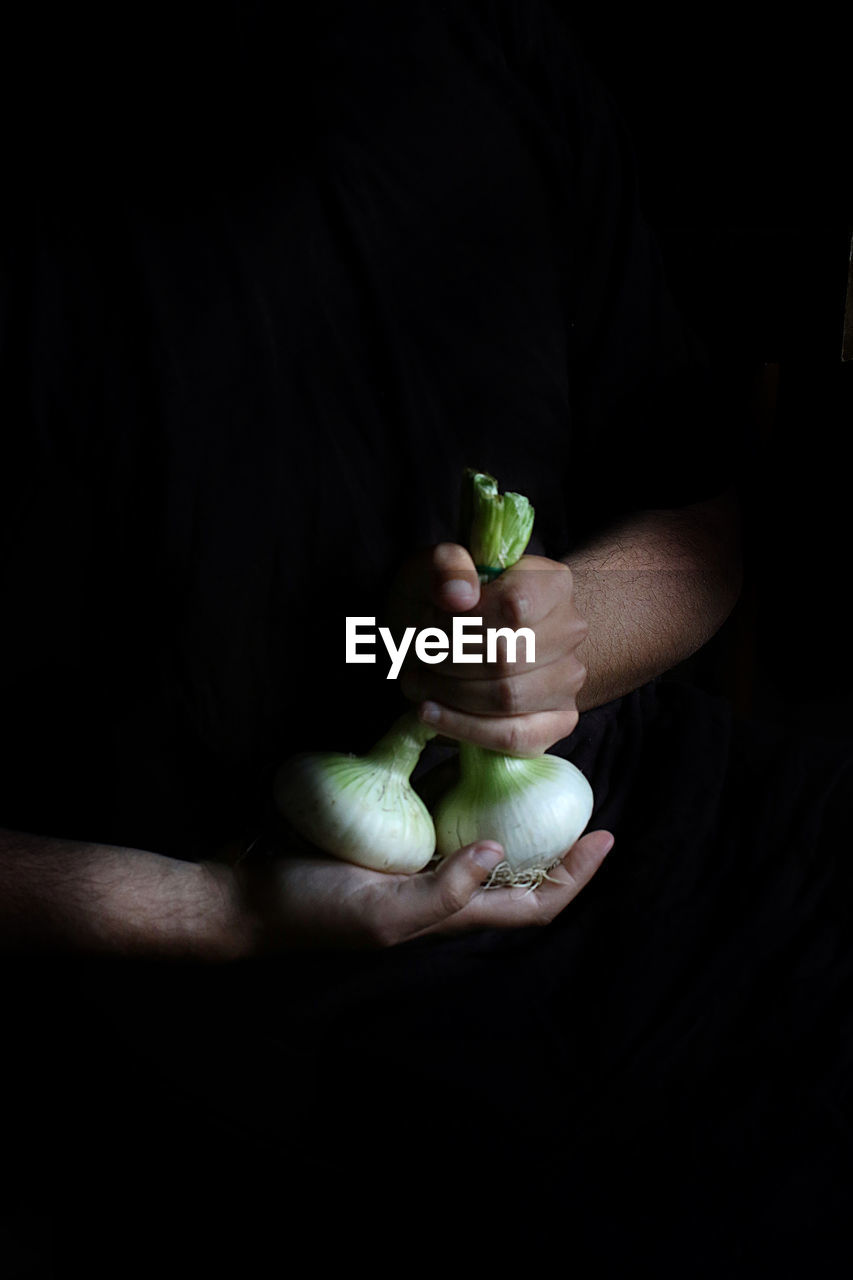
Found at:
(248, 375)
(659, 1080)
(246, 367)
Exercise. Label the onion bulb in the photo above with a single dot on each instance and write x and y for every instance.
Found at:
(362, 809)
(535, 807)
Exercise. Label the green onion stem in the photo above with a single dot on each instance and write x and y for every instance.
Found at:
(400, 748)
(495, 527)
(490, 773)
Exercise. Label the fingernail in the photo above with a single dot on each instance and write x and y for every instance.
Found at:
(458, 593)
(430, 713)
(488, 855)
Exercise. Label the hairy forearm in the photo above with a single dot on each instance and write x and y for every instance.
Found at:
(93, 898)
(652, 592)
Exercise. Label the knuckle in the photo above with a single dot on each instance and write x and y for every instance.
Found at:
(569, 719)
(564, 578)
(501, 664)
(506, 696)
(515, 738)
(565, 592)
(515, 606)
(561, 724)
(452, 897)
(572, 678)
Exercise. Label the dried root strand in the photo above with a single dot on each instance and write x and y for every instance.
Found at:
(503, 876)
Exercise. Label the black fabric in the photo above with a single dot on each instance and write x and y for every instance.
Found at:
(249, 339)
(245, 367)
(659, 1080)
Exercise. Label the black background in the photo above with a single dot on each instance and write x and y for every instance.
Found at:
(740, 131)
(740, 123)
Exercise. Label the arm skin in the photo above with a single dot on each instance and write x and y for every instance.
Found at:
(73, 897)
(653, 592)
(68, 897)
(607, 618)
(631, 605)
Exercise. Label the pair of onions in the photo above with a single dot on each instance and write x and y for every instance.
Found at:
(365, 810)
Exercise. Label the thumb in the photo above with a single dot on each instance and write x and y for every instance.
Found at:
(451, 886)
(454, 584)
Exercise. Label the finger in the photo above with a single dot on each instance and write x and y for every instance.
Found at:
(423, 588)
(508, 908)
(515, 693)
(526, 618)
(498, 652)
(432, 898)
(579, 865)
(527, 593)
(513, 659)
(454, 586)
(526, 735)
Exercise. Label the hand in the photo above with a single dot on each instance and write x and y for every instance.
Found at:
(307, 900)
(519, 708)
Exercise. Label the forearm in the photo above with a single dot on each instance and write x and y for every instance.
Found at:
(652, 592)
(78, 897)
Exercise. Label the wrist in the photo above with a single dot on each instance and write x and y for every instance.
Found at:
(230, 928)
